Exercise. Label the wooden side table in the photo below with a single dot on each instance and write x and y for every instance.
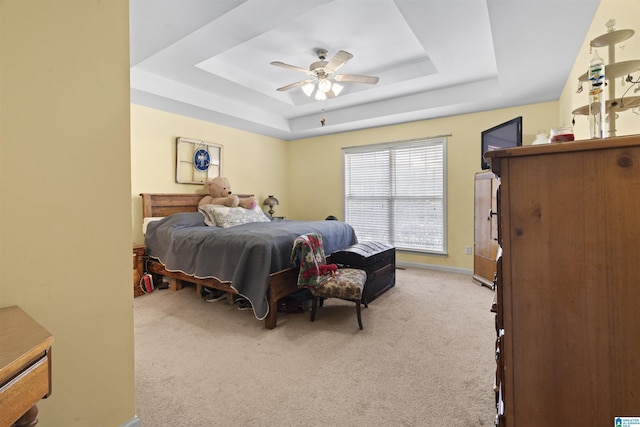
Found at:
(25, 367)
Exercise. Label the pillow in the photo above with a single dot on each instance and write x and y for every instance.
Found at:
(229, 217)
(146, 220)
(207, 213)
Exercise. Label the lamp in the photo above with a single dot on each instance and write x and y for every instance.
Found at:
(308, 89)
(271, 202)
(325, 88)
(324, 85)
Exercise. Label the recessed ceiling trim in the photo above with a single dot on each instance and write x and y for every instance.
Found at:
(434, 58)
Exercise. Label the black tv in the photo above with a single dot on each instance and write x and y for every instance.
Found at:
(504, 135)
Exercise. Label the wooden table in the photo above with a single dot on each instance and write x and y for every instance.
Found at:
(25, 367)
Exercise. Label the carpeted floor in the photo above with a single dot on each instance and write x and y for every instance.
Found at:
(424, 358)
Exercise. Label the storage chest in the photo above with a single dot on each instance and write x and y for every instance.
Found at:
(377, 259)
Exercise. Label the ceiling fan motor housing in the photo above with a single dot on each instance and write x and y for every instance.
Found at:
(322, 54)
(318, 67)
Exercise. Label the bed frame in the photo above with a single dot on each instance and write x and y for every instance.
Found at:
(281, 283)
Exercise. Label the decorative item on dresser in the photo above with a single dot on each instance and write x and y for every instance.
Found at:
(567, 317)
(609, 73)
(25, 367)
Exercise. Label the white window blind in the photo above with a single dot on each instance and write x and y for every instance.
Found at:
(395, 193)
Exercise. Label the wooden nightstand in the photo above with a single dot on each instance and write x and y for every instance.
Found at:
(138, 268)
(25, 367)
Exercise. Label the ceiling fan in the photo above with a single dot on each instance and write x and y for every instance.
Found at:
(324, 73)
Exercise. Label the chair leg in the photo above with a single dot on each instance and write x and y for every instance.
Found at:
(358, 312)
(314, 306)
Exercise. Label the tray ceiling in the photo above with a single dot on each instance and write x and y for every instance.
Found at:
(211, 59)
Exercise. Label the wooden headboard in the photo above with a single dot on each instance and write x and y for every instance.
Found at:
(164, 204)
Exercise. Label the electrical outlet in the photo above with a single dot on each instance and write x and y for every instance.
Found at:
(467, 250)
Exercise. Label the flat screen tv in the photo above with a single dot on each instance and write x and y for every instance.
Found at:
(504, 135)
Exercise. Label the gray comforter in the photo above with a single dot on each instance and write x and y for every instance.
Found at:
(242, 256)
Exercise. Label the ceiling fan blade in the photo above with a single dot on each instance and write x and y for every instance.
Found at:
(296, 84)
(338, 60)
(353, 78)
(290, 67)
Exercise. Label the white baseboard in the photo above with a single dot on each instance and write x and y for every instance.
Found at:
(434, 267)
(133, 422)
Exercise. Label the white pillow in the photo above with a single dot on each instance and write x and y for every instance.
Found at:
(147, 220)
(207, 213)
(228, 217)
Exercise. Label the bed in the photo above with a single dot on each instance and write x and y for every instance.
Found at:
(250, 260)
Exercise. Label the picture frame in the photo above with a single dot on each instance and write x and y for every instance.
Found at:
(197, 161)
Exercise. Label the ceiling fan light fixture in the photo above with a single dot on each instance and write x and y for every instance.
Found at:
(324, 85)
(337, 88)
(308, 89)
(323, 73)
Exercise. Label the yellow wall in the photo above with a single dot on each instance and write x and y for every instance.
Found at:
(254, 164)
(627, 16)
(313, 196)
(306, 175)
(312, 200)
(65, 212)
(65, 254)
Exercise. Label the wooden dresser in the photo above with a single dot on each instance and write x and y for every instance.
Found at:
(25, 367)
(568, 283)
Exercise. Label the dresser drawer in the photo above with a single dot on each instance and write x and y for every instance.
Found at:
(19, 393)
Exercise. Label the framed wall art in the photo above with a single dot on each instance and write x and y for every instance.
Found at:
(197, 161)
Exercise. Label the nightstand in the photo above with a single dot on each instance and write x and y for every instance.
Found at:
(138, 268)
(25, 367)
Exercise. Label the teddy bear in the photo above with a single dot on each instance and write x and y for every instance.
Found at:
(220, 193)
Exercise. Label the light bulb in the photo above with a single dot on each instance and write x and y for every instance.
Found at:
(324, 85)
(337, 89)
(308, 89)
(320, 96)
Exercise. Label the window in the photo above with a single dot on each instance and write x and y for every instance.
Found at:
(394, 193)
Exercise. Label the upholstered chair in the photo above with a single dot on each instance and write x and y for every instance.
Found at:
(326, 280)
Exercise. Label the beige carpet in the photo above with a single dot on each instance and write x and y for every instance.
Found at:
(424, 358)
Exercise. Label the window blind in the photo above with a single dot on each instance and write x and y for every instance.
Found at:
(395, 193)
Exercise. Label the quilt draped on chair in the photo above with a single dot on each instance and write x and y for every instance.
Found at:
(308, 253)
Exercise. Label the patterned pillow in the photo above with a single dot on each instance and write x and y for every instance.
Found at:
(207, 213)
(229, 217)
